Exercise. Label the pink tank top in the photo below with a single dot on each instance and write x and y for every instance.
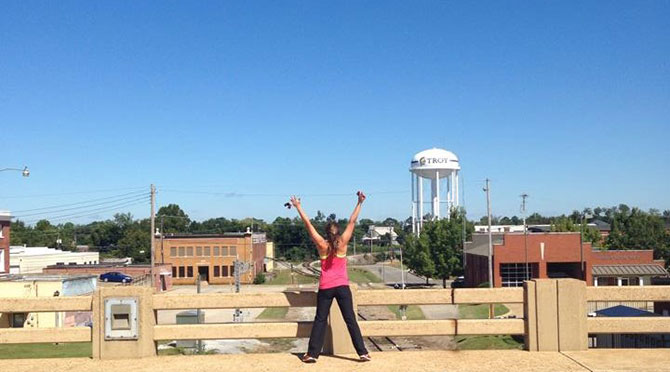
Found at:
(333, 271)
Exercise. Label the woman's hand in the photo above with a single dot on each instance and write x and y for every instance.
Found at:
(361, 197)
(295, 201)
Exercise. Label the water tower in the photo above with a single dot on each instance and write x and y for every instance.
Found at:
(439, 167)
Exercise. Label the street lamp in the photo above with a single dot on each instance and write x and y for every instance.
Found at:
(25, 171)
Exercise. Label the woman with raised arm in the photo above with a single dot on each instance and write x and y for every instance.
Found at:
(334, 282)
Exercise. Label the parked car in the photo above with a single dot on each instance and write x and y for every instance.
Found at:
(458, 282)
(116, 277)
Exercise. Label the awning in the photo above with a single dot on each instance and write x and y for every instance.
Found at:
(629, 270)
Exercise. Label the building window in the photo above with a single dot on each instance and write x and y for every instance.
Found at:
(604, 281)
(513, 274)
(181, 272)
(207, 253)
(198, 251)
(224, 271)
(189, 251)
(215, 251)
(630, 281)
(182, 251)
(217, 271)
(233, 250)
(174, 271)
(232, 270)
(18, 320)
(173, 251)
(224, 251)
(189, 272)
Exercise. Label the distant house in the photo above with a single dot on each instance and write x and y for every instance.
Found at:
(377, 234)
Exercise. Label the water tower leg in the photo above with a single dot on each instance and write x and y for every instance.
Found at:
(436, 196)
(420, 184)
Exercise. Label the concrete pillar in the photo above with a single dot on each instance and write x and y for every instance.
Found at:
(141, 346)
(338, 341)
(555, 315)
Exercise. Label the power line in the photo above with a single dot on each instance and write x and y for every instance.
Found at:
(69, 193)
(95, 211)
(87, 204)
(232, 194)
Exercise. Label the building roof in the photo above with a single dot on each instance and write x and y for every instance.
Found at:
(43, 277)
(600, 225)
(641, 269)
(480, 243)
(623, 311)
(210, 236)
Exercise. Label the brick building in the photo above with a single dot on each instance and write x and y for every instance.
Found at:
(162, 272)
(212, 256)
(556, 255)
(5, 220)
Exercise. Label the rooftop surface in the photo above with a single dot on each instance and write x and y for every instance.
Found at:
(600, 360)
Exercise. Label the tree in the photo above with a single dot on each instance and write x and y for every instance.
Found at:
(175, 220)
(439, 245)
(565, 224)
(636, 229)
(418, 257)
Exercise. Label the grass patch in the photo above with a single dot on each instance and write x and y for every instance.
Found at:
(357, 275)
(413, 312)
(273, 313)
(480, 311)
(46, 350)
(283, 277)
(487, 342)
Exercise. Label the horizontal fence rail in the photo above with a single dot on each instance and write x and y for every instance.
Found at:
(364, 297)
(38, 335)
(45, 304)
(632, 293)
(370, 328)
(233, 300)
(628, 325)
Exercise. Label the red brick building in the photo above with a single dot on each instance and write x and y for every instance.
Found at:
(5, 220)
(556, 255)
(162, 272)
(212, 257)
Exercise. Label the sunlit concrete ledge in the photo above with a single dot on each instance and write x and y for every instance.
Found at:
(479, 360)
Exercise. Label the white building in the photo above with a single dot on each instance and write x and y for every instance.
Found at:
(499, 228)
(31, 260)
(377, 233)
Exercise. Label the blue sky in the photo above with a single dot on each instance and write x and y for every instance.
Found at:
(567, 101)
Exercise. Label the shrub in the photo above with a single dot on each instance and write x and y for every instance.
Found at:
(260, 278)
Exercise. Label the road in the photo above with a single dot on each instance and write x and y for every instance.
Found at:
(391, 275)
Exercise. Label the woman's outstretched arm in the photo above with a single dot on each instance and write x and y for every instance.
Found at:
(348, 232)
(320, 242)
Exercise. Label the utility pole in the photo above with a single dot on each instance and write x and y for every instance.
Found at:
(197, 312)
(237, 315)
(153, 230)
(487, 189)
(524, 196)
(162, 233)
